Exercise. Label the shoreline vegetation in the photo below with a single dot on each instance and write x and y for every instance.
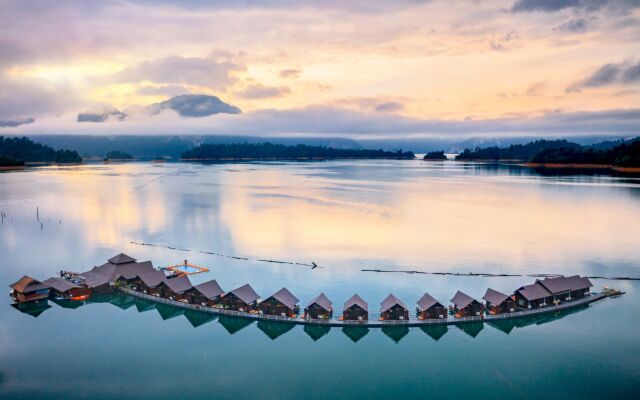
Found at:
(622, 156)
(117, 155)
(435, 156)
(18, 152)
(268, 151)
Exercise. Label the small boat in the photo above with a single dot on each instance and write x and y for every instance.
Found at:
(612, 292)
(79, 298)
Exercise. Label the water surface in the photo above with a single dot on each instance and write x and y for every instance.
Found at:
(345, 216)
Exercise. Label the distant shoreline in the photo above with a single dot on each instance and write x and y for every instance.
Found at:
(582, 166)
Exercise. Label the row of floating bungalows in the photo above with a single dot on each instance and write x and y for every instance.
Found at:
(125, 271)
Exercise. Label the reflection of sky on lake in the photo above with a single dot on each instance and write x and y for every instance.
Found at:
(345, 216)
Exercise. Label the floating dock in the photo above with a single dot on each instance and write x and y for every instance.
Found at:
(371, 323)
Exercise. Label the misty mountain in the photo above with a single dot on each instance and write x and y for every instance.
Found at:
(194, 105)
(187, 105)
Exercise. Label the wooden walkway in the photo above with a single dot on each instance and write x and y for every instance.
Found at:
(369, 323)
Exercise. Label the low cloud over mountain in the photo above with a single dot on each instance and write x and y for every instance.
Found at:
(188, 105)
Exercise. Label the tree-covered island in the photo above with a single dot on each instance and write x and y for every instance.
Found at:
(270, 151)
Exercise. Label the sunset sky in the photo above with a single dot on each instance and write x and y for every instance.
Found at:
(375, 69)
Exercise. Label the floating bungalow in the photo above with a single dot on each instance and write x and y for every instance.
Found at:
(430, 308)
(127, 275)
(532, 296)
(355, 309)
(101, 279)
(392, 308)
(96, 282)
(320, 307)
(205, 294)
(64, 289)
(566, 288)
(243, 298)
(149, 282)
(175, 288)
(466, 306)
(499, 303)
(282, 303)
(27, 289)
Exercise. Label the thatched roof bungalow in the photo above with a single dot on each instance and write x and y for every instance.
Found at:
(392, 308)
(282, 303)
(243, 298)
(320, 307)
(27, 289)
(430, 308)
(355, 309)
(466, 306)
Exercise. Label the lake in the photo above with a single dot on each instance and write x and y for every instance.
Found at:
(346, 216)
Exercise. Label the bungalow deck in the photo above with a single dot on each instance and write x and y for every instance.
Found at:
(373, 323)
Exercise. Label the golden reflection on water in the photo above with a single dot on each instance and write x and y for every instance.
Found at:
(421, 218)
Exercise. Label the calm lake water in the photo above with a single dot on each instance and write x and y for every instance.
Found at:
(346, 216)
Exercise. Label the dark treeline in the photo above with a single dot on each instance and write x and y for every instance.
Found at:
(118, 155)
(617, 153)
(270, 151)
(623, 155)
(520, 152)
(17, 151)
(435, 156)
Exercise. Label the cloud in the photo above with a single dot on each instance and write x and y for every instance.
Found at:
(166, 90)
(390, 106)
(577, 25)
(194, 105)
(15, 122)
(587, 5)
(290, 73)
(204, 72)
(263, 92)
(625, 73)
(26, 98)
(335, 121)
(535, 89)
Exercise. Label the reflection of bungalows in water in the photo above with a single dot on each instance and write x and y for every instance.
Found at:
(197, 318)
(274, 329)
(167, 312)
(205, 294)
(499, 303)
(566, 288)
(282, 303)
(396, 333)
(355, 309)
(233, 324)
(435, 331)
(466, 306)
(149, 282)
(315, 332)
(473, 329)
(392, 308)
(243, 298)
(32, 308)
(27, 289)
(64, 289)
(355, 333)
(175, 288)
(320, 307)
(430, 308)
